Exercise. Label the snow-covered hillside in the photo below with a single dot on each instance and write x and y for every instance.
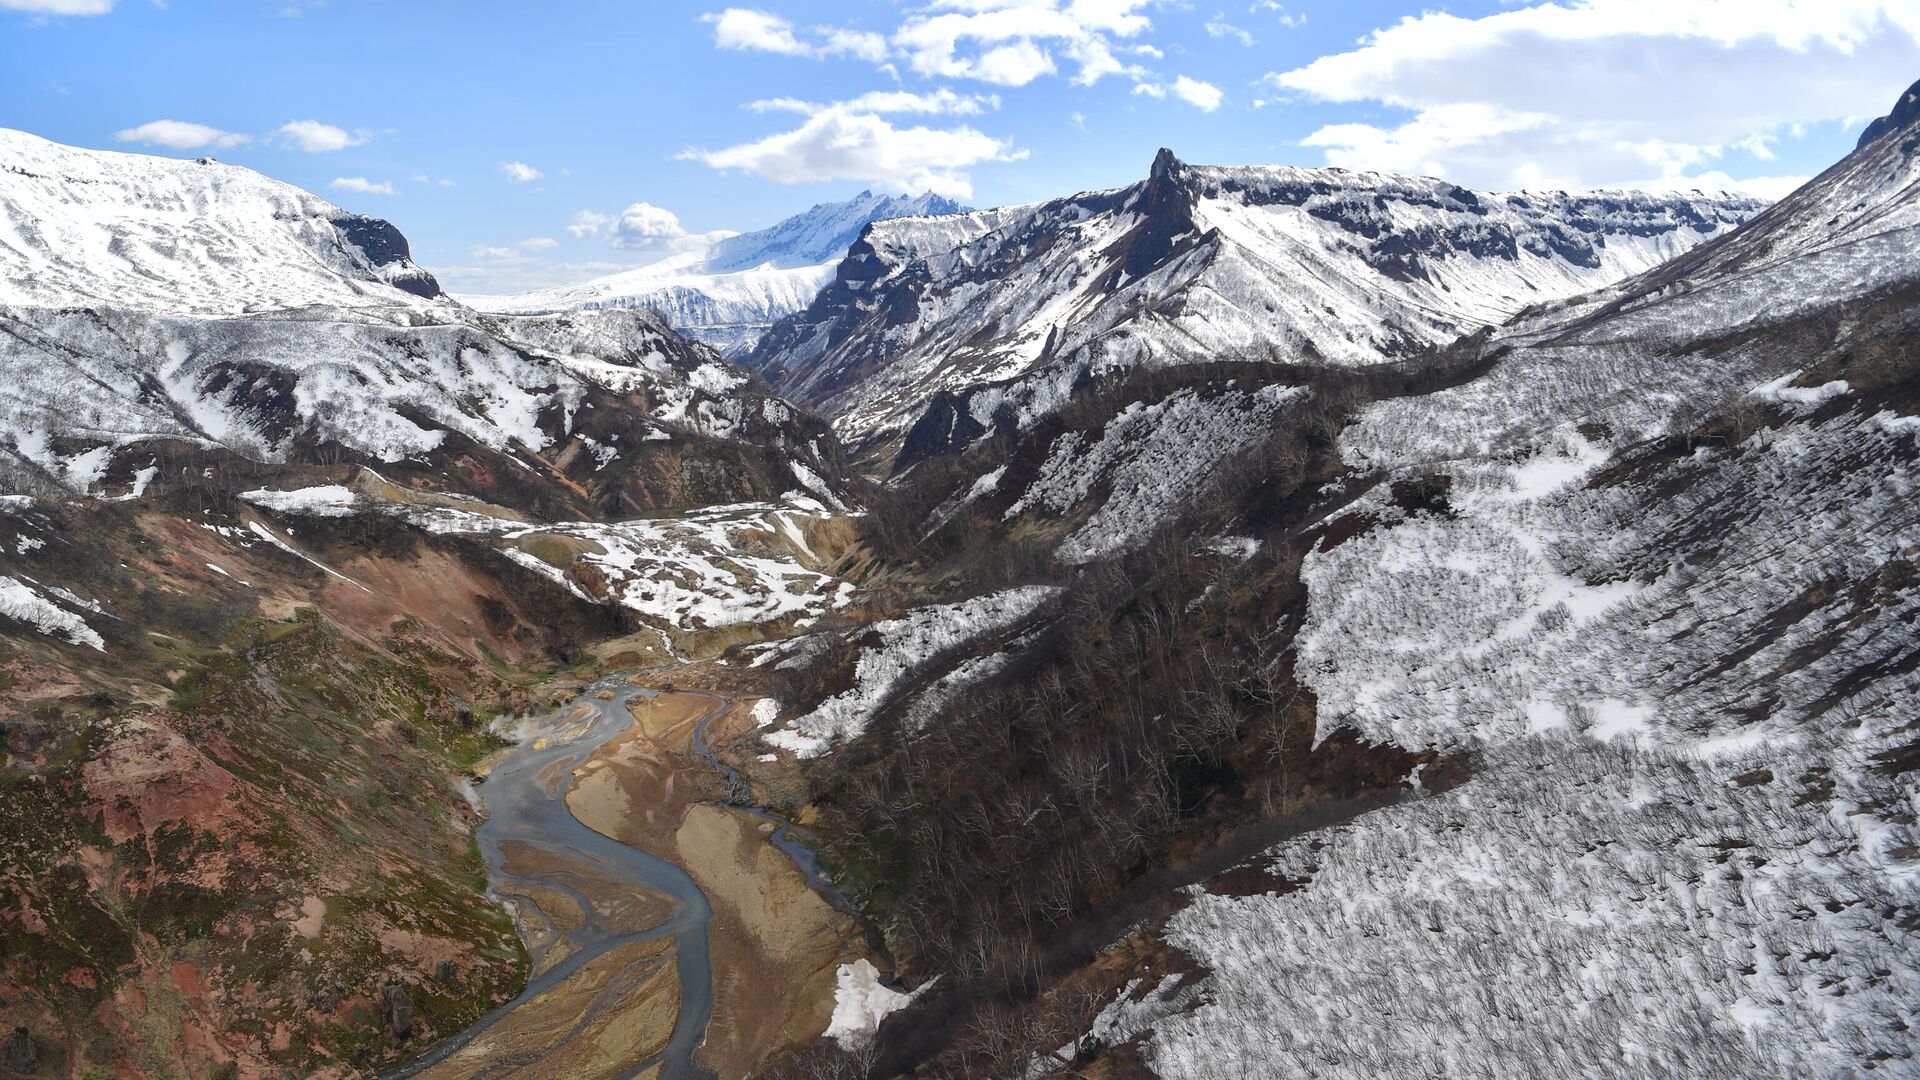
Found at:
(1684, 663)
(147, 298)
(132, 231)
(728, 294)
(1315, 266)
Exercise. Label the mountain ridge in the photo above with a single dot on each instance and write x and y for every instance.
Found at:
(1307, 265)
(727, 293)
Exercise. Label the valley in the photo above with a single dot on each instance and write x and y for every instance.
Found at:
(1251, 621)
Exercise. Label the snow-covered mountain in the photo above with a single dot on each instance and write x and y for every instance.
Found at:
(146, 298)
(728, 294)
(1315, 266)
(198, 237)
(1669, 608)
(1619, 596)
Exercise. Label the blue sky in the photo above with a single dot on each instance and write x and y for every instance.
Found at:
(524, 145)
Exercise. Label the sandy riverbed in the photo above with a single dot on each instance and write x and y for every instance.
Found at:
(775, 942)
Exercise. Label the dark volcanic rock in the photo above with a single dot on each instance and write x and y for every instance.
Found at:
(21, 1055)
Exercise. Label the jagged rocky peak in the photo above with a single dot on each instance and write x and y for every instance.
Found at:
(1905, 113)
(1011, 307)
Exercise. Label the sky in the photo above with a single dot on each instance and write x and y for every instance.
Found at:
(520, 146)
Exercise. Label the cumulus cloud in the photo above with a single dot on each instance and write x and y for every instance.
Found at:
(538, 243)
(753, 30)
(1012, 42)
(840, 143)
(315, 137)
(361, 185)
(1201, 95)
(1004, 42)
(482, 251)
(181, 135)
(860, 44)
(587, 223)
(59, 7)
(643, 226)
(1583, 94)
(519, 172)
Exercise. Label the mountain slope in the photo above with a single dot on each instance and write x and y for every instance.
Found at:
(186, 237)
(148, 298)
(1315, 266)
(1670, 609)
(1542, 705)
(729, 293)
(282, 531)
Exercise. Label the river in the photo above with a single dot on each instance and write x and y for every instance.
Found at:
(525, 797)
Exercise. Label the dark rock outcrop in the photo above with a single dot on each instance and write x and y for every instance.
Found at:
(385, 246)
(1905, 112)
(396, 1011)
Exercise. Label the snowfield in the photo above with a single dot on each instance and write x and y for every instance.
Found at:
(20, 602)
(714, 567)
(1679, 853)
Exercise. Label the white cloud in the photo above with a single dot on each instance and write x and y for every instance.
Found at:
(180, 135)
(643, 226)
(538, 243)
(361, 185)
(1013, 65)
(1760, 187)
(482, 251)
(940, 102)
(1005, 42)
(860, 44)
(749, 30)
(1010, 42)
(59, 7)
(837, 143)
(1610, 92)
(753, 30)
(587, 223)
(1219, 27)
(519, 172)
(315, 137)
(1201, 95)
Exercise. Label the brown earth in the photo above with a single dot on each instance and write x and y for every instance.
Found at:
(775, 942)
